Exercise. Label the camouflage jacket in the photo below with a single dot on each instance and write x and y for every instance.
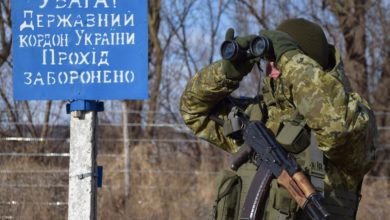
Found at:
(341, 120)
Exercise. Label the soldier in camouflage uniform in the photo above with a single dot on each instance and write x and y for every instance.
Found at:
(313, 93)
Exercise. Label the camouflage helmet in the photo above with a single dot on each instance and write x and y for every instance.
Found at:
(310, 38)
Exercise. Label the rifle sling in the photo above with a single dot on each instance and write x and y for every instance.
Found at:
(257, 195)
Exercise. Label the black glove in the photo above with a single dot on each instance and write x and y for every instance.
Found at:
(281, 42)
(238, 68)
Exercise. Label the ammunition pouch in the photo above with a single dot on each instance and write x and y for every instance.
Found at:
(297, 138)
(280, 204)
(232, 126)
(226, 206)
(232, 188)
(294, 135)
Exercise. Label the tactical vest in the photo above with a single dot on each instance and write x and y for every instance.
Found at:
(297, 138)
(294, 135)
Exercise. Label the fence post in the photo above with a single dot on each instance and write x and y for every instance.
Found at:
(82, 160)
(126, 146)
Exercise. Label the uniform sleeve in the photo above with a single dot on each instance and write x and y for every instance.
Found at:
(321, 98)
(204, 95)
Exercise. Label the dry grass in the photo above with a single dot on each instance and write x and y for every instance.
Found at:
(174, 186)
(375, 203)
(167, 182)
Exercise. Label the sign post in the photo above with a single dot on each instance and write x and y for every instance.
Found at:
(80, 50)
(83, 171)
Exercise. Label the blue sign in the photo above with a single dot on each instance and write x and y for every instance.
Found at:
(80, 49)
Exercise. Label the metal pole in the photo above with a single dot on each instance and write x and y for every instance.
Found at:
(83, 172)
(126, 146)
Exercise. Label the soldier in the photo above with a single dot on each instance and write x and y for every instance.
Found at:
(306, 99)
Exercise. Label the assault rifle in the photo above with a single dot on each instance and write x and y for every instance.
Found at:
(272, 161)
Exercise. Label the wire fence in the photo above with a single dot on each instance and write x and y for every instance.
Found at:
(32, 178)
(381, 147)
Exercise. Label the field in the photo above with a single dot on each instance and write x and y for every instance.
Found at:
(171, 177)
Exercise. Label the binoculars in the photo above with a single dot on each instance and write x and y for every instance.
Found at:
(260, 46)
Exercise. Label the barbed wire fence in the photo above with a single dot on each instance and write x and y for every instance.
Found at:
(16, 181)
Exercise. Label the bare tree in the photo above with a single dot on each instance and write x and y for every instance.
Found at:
(5, 56)
(256, 9)
(215, 20)
(35, 127)
(351, 15)
(175, 19)
(158, 55)
(380, 56)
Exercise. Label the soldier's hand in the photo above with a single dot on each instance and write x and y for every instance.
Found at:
(238, 68)
(281, 42)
